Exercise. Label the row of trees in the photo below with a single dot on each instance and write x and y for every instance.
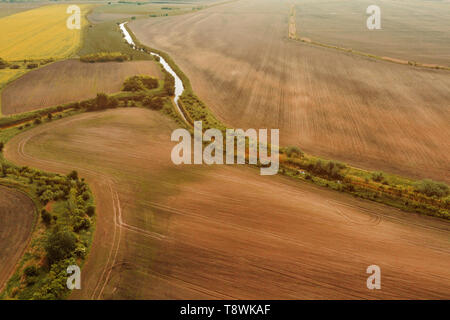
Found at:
(105, 57)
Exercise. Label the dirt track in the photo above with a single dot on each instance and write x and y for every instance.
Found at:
(226, 232)
(16, 223)
(373, 114)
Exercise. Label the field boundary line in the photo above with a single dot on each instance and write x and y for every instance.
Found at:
(292, 35)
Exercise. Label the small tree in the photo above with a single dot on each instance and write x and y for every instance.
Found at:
(377, 176)
(30, 271)
(113, 102)
(3, 64)
(432, 188)
(294, 152)
(2, 145)
(60, 245)
(147, 101)
(133, 84)
(46, 216)
(101, 100)
(90, 211)
(73, 175)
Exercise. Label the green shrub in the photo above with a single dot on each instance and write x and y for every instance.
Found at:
(133, 84)
(432, 188)
(140, 83)
(156, 103)
(81, 224)
(169, 84)
(293, 152)
(46, 216)
(102, 101)
(90, 211)
(32, 65)
(60, 245)
(30, 271)
(377, 176)
(46, 196)
(149, 82)
(113, 102)
(73, 175)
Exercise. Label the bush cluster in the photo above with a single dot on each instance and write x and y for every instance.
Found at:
(156, 103)
(330, 170)
(169, 84)
(3, 64)
(432, 188)
(105, 57)
(32, 66)
(140, 83)
(293, 152)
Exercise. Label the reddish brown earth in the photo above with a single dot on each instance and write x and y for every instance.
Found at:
(191, 232)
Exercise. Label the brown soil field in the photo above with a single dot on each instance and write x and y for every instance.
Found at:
(191, 232)
(69, 81)
(372, 114)
(17, 214)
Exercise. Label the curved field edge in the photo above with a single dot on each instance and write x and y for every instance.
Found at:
(293, 35)
(18, 228)
(393, 190)
(62, 205)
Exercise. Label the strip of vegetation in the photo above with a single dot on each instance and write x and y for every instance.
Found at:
(426, 196)
(105, 57)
